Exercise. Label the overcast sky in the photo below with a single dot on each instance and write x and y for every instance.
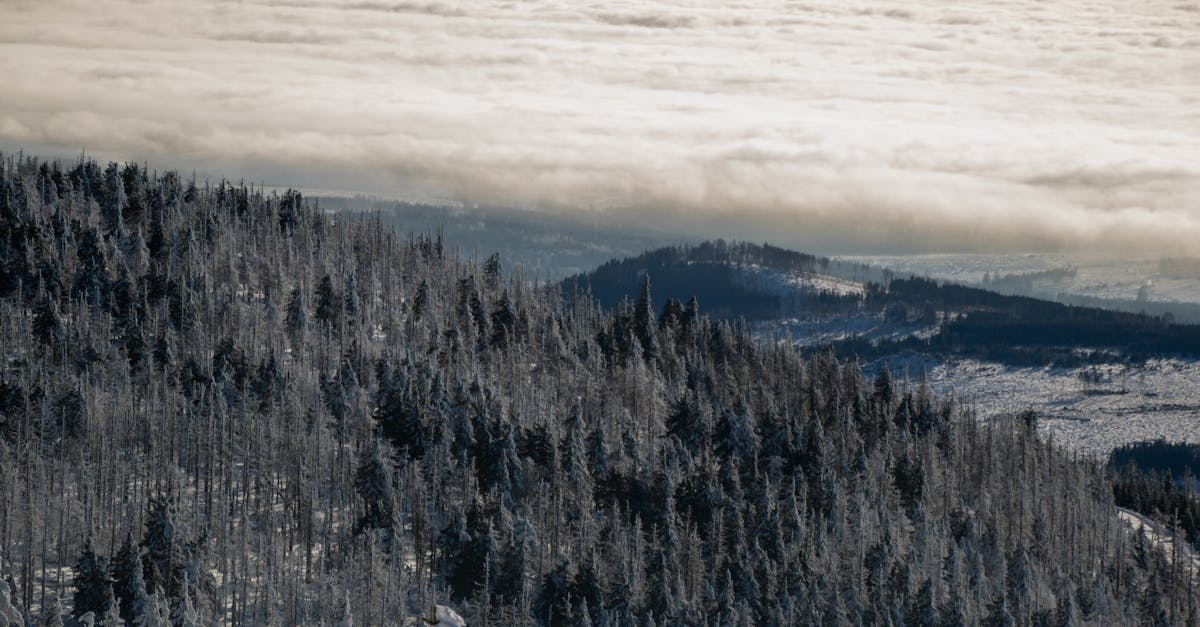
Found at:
(900, 124)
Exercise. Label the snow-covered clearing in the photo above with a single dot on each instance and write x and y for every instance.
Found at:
(1115, 405)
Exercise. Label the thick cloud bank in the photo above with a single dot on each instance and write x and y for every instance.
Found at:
(984, 123)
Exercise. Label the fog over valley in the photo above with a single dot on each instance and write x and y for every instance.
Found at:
(865, 126)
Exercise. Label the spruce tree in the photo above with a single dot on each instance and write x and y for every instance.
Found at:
(493, 274)
(420, 303)
(998, 614)
(184, 613)
(290, 206)
(735, 437)
(922, 612)
(129, 585)
(503, 323)
(165, 548)
(514, 568)
(468, 557)
(47, 324)
(156, 613)
(597, 453)
(685, 422)
(297, 315)
(643, 320)
(573, 450)
(373, 482)
(93, 591)
(328, 304)
(398, 413)
(691, 314)
(552, 606)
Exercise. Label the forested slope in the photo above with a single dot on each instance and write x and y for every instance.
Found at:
(223, 406)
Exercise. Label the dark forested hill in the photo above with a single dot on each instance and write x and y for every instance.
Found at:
(708, 271)
(962, 321)
(220, 406)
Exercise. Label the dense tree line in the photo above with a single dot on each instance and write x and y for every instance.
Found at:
(1180, 460)
(1008, 354)
(224, 405)
(1016, 330)
(1027, 282)
(995, 321)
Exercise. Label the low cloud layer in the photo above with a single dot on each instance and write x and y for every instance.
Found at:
(898, 125)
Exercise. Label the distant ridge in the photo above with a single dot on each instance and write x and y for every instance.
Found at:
(762, 283)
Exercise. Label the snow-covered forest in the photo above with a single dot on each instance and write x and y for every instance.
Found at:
(220, 406)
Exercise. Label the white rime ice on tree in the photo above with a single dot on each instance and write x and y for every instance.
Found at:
(112, 618)
(9, 616)
(185, 612)
(155, 614)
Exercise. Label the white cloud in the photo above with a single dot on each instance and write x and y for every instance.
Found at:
(903, 124)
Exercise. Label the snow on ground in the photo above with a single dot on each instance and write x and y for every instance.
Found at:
(824, 283)
(814, 332)
(765, 277)
(1118, 404)
(444, 617)
(817, 330)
